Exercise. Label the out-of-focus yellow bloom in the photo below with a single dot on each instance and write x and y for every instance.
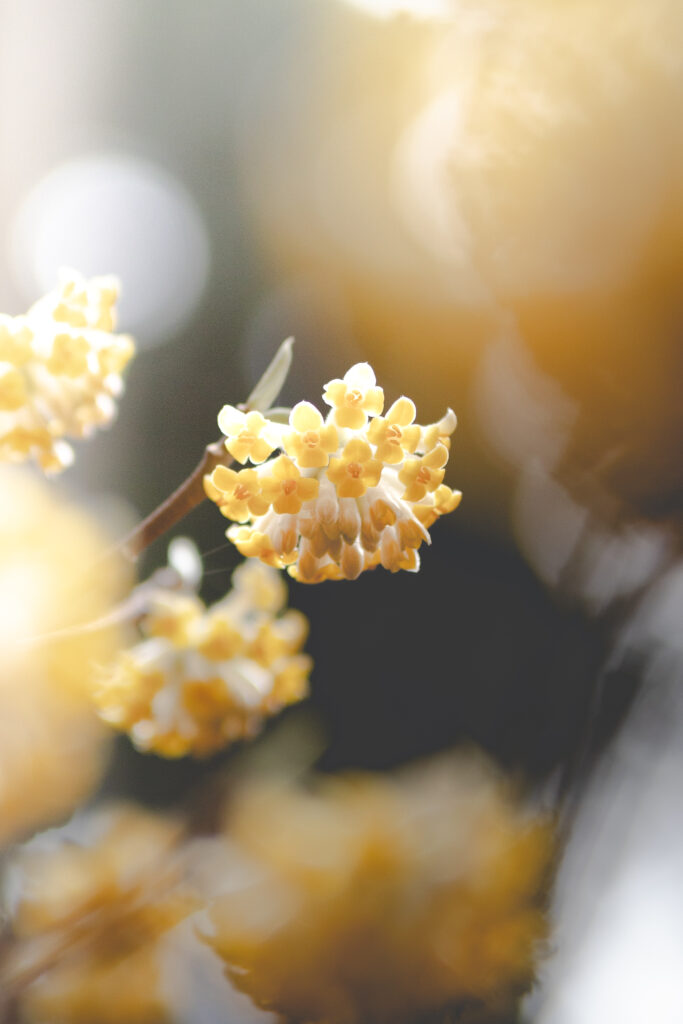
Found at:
(380, 899)
(92, 916)
(522, 175)
(204, 677)
(60, 370)
(349, 495)
(52, 577)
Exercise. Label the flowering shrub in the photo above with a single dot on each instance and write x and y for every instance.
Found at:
(327, 904)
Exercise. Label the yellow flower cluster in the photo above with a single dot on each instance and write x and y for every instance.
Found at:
(204, 677)
(51, 579)
(60, 370)
(384, 900)
(347, 493)
(89, 919)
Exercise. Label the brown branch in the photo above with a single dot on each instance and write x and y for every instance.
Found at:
(188, 496)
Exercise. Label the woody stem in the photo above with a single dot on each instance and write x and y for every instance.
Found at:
(178, 504)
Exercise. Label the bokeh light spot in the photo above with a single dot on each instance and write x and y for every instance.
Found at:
(113, 213)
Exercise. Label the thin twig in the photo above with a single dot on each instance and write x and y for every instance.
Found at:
(184, 499)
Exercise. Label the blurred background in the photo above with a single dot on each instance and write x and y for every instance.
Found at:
(484, 199)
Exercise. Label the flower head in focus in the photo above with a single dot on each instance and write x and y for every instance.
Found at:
(60, 370)
(92, 915)
(203, 677)
(52, 578)
(384, 899)
(349, 492)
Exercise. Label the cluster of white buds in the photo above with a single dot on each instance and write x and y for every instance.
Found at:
(60, 370)
(347, 493)
(204, 677)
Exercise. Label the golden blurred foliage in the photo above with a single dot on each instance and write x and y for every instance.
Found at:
(499, 169)
(52, 578)
(383, 898)
(89, 918)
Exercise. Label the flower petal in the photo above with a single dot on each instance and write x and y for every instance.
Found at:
(361, 376)
(402, 412)
(304, 416)
(230, 420)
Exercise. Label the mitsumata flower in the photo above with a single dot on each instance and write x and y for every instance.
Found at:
(350, 492)
(248, 434)
(204, 677)
(92, 916)
(60, 371)
(384, 899)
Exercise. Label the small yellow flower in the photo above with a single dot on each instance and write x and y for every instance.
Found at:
(355, 397)
(248, 435)
(439, 432)
(285, 488)
(237, 494)
(355, 470)
(423, 475)
(310, 441)
(395, 434)
(445, 501)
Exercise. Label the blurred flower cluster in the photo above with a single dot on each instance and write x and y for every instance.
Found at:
(60, 370)
(88, 917)
(203, 677)
(346, 900)
(378, 898)
(348, 493)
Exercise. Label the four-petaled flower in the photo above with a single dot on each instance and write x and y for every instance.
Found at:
(394, 434)
(311, 441)
(238, 495)
(248, 435)
(355, 397)
(423, 475)
(355, 470)
(285, 488)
